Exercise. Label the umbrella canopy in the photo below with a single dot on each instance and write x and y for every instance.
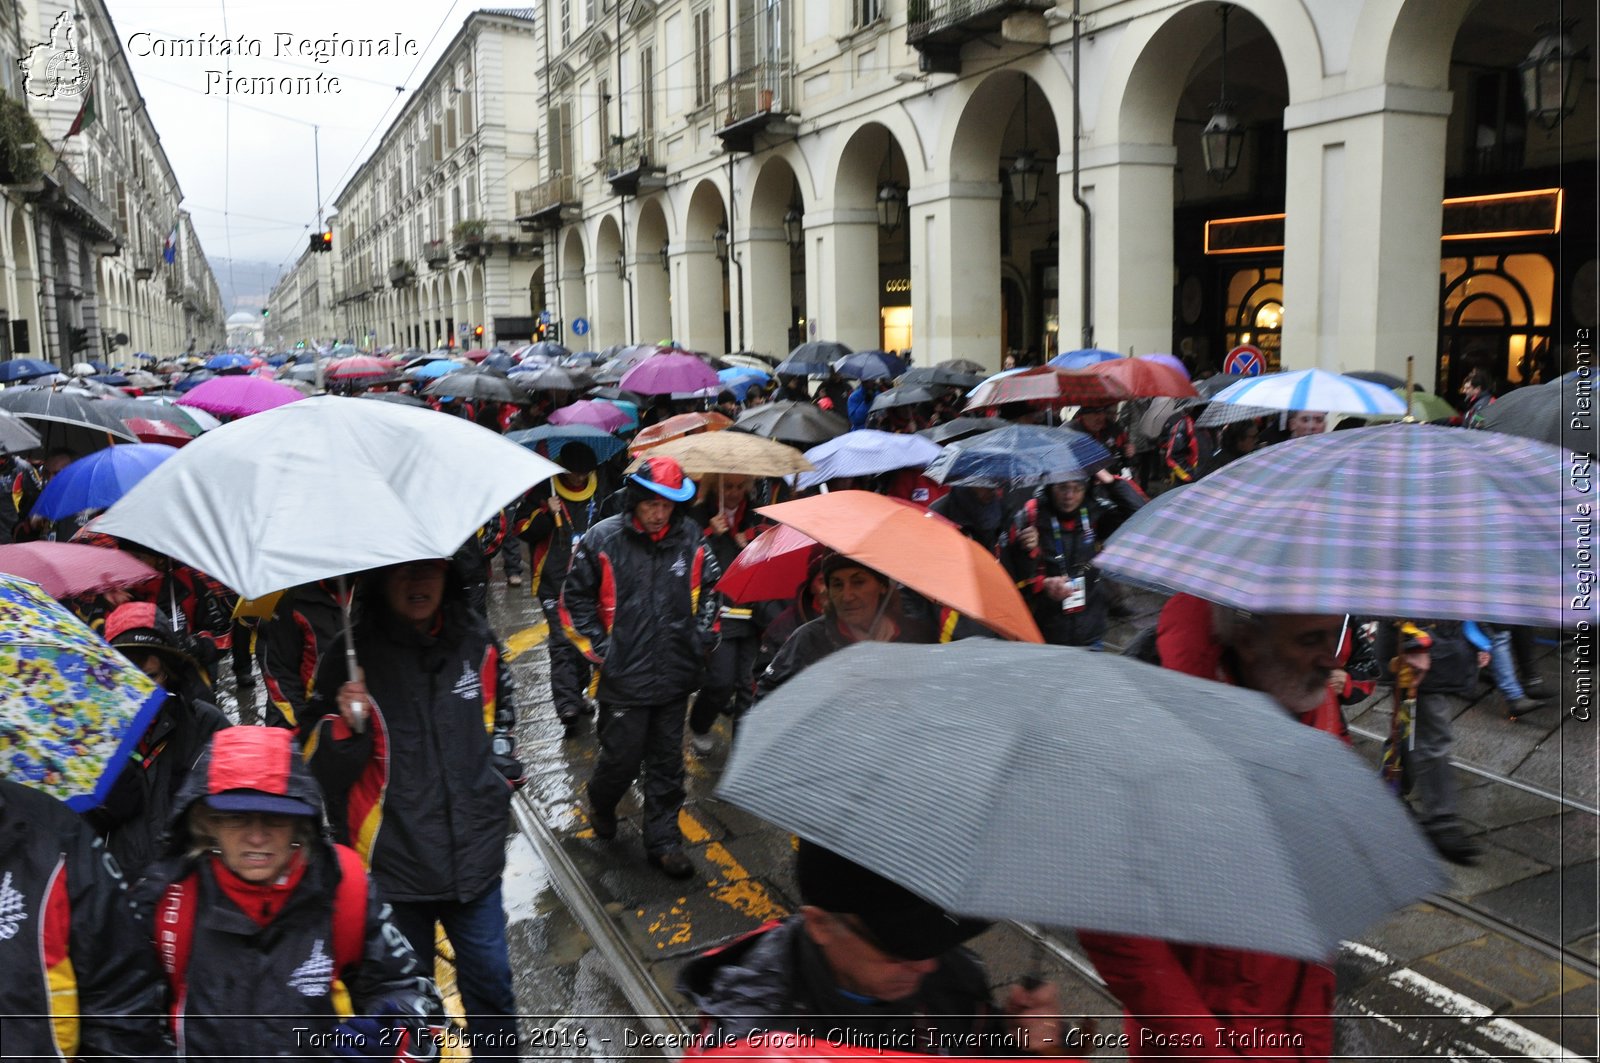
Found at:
(866, 453)
(683, 424)
(24, 369)
(193, 380)
(1424, 406)
(1222, 413)
(963, 428)
(593, 412)
(1541, 413)
(359, 367)
(771, 568)
(1171, 361)
(1205, 389)
(66, 570)
(905, 395)
(931, 557)
(1042, 384)
(220, 362)
(1373, 376)
(144, 381)
(97, 481)
(65, 420)
(535, 377)
(815, 358)
(962, 365)
(556, 436)
(1404, 520)
(16, 435)
(154, 409)
(399, 398)
(306, 373)
(72, 709)
(1082, 359)
(626, 407)
(544, 350)
(940, 377)
(663, 374)
(1145, 378)
(1020, 455)
(1041, 809)
(486, 385)
(240, 396)
(477, 354)
(150, 430)
(499, 360)
(407, 484)
(799, 424)
(751, 361)
(734, 453)
(870, 365)
(435, 369)
(743, 372)
(1313, 389)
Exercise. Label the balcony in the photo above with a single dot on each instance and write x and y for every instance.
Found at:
(174, 288)
(548, 204)
(192, 299)
(71, 198)
(755, 105)
(144, 268)
(469, 239)
(401, 275)
(938, 28)
(437, 254)
(633, 165)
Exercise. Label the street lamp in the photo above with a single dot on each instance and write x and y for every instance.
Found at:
(793, 226)
(1222, 140)
(622, 266)
(1552, 75)
(891, 205)
(719, 240)
(1024, 177)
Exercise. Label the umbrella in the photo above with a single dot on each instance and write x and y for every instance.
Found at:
(153, 409)
(82, 369)
(150, 430)
(1171, 361)
(536, 377)
(557, 436)
(24, 369)
(1205, 389)
(593, 412)
(100, 479)
(1313, 389)
(1037, 808)
(476, 385)
(72, 709)
(477, 354)
(751, 361)
(307, 373)
(962, 365)
(905, 395)
(66, 570)
(1082, 359)
(1020, 455)
(743, 372)
(940, 377)
(931, 557)
(1424, 406)
(144, 381)
(662, 374)
(544, 350)
(240, 396)
(404, 484)
(1043, 384)
(359, 367)
(796, 423)
(734, 453)
(399, 398)
(1404, 520)
(1373, 376)
(770, 568)
(66, 420)
(435, 369)
(1543, 413)
(15, 435)
(582, 359)
(193, 380)
(683, 424)
(628, 409)
(815, 358)
(220, 362)
(1145, 378)
(963, 428)
(1223, 413)
(203, 421)
(866, 453)
(870, 365)
(501, 361)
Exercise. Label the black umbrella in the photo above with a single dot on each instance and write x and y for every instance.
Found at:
(812, 359)
(1208, 388)
(1196, 812)
(962, 428)
(1541, 412)
(399, 398)
(63, 419)
(1374, 376)
(963, 365)
(545, 350)
(1020, 455)
(477, 385)
(938, 376)
(15, 435)
(551, 378)
(901, 396)
(799, 424)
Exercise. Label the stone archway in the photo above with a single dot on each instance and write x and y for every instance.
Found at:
(700, 279)
(609, 312)
(865, 257)
(771, 266)
(573, 300)
(651, 258)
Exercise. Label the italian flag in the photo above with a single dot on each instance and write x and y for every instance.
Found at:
(86, 114)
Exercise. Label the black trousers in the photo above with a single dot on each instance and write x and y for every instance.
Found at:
(569, 668)
(729, 685)
(643, 742)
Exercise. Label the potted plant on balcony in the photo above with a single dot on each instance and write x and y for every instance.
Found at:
(468, 236)
(436, 253)
(400, 272)
(24, 151)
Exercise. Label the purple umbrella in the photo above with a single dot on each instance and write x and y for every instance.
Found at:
(601, 415)
(240, 396)
(663, 374)
(1171, 361)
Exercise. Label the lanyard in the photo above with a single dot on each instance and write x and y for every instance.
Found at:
(1087, 536)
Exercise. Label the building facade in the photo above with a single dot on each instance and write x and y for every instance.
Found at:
(750, 173)
(302, 305)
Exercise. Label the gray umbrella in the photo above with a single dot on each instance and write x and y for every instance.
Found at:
(902, 396)
(477, 385)
(939, 377)
(1091, 791)
(15, 435)
(1541, 412)
(962, 427)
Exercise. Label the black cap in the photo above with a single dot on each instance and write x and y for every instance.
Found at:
(898, 921)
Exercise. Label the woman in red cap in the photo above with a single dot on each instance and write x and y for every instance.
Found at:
(273, 938)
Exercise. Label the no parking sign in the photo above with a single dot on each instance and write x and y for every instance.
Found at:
(1245, 360)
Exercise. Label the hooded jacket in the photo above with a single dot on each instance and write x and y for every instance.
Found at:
(1176, 990)
(260, 991)
(290, 643)
(642, 608)
(550, 536)
(417, 793)
(76, 978)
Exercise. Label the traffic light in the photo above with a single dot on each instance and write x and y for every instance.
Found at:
(327, 240)
(477, 333)
(78, 339)
(265, 313)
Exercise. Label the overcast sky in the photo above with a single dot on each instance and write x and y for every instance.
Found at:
(253, 159)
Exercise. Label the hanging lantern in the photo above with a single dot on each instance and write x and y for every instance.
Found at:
(891, 206)
(793, 227)
(1222, 143)
(1024, 177)
(719, 240)
(1552, 75)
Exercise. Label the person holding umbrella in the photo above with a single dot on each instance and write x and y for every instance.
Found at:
(417, 759)
(639, 602)
(724, 511)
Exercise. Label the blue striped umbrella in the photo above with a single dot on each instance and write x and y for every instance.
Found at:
(1313, 389)
(1403, 520)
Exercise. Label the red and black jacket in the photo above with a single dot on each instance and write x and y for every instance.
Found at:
(290, 643)
(550, 535)
(79, 979)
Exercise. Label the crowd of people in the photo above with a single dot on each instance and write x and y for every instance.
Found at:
(303, 867)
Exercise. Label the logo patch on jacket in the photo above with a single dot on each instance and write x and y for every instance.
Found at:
(312, 978)
(469, 686)
(12, 910)
(680, 566)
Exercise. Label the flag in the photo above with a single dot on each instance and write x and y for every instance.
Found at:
(86, 114)
(169, 248)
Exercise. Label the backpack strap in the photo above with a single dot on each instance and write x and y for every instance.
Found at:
(349, 910)
(174, 935)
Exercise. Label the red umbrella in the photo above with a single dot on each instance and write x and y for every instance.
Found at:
(477, 355)
(1057, 387)
(770, 568)
(66, 570)
(1145, 379)
(684, 424)
(359, 367)
(150, 431)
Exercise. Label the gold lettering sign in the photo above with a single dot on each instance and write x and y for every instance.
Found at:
(897, 284)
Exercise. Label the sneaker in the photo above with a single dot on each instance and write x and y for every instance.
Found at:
(513, 581)
(571, 726)
(702, 744)
(1454, 845)
(604, 823)
(672, 863)
(1519, 707)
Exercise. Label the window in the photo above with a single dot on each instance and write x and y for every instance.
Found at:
(566, 22)
(647, 92)
(866, 12)
(603, 113)
(702, 57)
(590, 16)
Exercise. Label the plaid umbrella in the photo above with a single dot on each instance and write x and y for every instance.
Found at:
(1400, 520)
(72, 709)
(1010, 797)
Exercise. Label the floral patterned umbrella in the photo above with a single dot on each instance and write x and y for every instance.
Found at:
(72, 709)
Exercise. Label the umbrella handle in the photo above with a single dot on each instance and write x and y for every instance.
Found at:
(358, 710)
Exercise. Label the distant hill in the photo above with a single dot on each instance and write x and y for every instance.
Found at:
(246, 286)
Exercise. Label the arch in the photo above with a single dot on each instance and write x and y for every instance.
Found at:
(651, 292)
(991, 109)
(700, 279)
(608, 312)
(1411, 42)
(572, 298)
(771, 265)
(857, 255)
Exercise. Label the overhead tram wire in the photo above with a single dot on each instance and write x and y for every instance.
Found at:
(227, 164)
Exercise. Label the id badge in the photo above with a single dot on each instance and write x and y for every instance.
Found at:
(1077, 595)
(576, 539)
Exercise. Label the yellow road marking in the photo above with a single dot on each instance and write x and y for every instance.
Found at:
(731, 885)
(444, 975)
(526, 639)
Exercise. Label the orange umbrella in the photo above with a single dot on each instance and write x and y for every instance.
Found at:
(684, 424)
(1142, 378)
(929, 556)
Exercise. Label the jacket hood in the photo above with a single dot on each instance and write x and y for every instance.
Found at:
(239, 761)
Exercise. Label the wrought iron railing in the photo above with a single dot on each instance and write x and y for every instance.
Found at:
(929, 16)
(555, 191)
(766, 88)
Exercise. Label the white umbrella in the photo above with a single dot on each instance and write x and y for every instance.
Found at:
(1312, 389)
